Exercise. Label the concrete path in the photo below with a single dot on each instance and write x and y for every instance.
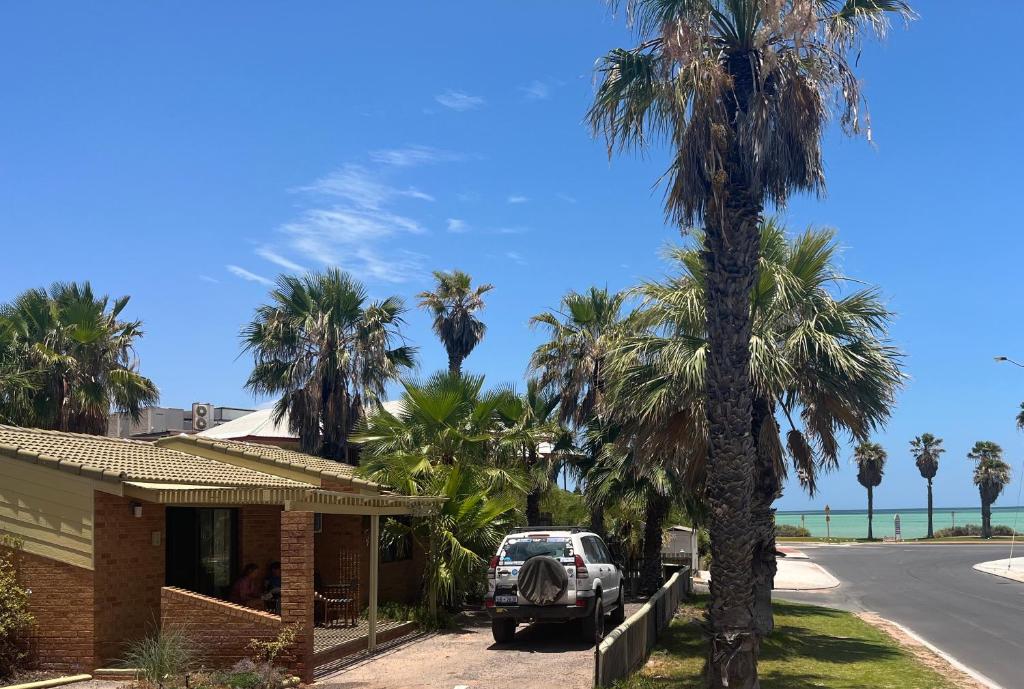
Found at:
(795, 573)
(934, 591)
(1006, 568)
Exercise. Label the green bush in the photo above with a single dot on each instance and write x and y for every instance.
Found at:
(402, 612)
(974, 530)
(162, 656)
(15, 620)
(791, 531)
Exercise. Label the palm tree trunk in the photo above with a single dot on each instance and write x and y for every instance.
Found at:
(871, 511)
(730, 257)
(930, 533)
(767, 488)
(533, 507)
(654, 524)
(986, 518)
(455, 363)
(597, 520)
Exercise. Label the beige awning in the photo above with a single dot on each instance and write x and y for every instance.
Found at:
(292, 499)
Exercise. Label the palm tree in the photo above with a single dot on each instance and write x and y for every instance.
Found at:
(454, 304)
(821, 362)
(870, 459)
(991, 475)
(926, 449)
(741, 91)
(328, 353)
(573, 362)
(445, 441)
(67, 360)
(1020, 418)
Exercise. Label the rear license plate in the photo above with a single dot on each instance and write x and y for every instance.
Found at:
(506, 600)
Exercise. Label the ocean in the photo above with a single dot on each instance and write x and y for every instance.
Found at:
(913, 522)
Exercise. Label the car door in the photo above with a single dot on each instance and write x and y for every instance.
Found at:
(611, 576)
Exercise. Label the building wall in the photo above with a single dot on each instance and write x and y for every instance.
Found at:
(259, 535)
(61, 601)
(50, 511)
(402, 581)
(343, 533)
(223, 630)
(130, 557)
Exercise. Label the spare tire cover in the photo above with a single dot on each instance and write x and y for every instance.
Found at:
(542, 580)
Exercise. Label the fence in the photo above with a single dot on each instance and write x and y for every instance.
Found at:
(626, 647)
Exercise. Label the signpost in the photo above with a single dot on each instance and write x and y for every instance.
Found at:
(828, 527)
(896, 523)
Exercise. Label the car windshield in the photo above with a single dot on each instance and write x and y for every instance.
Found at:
(519, 550)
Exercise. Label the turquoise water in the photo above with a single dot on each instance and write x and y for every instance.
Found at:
(913, 522)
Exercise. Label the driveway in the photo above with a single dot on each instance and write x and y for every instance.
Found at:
(542, 656)
(933, 590)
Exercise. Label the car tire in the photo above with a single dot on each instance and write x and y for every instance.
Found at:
(503, 629)
(618, 615)
(593, 624)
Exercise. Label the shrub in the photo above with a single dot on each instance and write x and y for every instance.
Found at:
(263, 664)
(791, 531)
(401, 612)
(163, 655)
(974, 530)
(15, 620)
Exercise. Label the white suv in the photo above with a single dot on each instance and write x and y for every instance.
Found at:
(553, 573)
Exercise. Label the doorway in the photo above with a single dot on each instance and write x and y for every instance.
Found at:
(202, 549)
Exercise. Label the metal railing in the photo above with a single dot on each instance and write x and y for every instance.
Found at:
(627, 646)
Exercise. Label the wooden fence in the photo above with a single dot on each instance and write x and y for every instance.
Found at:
(626, 647)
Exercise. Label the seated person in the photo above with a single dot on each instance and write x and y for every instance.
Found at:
(247, 589)
(272, 586)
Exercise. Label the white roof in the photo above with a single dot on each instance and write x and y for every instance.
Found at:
(260, 424)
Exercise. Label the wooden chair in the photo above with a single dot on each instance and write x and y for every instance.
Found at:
(336, 602)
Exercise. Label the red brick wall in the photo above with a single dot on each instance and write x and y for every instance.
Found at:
(259, 536)
(62, 604)
(343, 533)
(220, 631)
(297, 587)
(129, 572)
(402, 581)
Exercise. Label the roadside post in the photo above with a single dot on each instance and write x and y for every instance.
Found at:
(828, 527)
(896, 524)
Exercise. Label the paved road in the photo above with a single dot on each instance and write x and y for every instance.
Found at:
(975, 617)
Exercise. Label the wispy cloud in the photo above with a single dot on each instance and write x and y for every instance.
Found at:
(566, 197)
(207, 278)
(459, 100)
(269, 254)
(512, 230)
(248, 275)
(515, 256)
(536, 90)
(457, 226)
(414, 155)
(516, 198)
(356, 184)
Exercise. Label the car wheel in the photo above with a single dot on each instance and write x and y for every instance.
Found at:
(593, 624)
(503, 629)
(618, 615)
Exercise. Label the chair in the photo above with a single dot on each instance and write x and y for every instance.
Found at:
(336, 602)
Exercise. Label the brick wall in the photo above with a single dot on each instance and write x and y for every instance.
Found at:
(343, 533)
(402, 581)
(221, 631)
(129, 572)
(62, 604)
(259, 536)
(297, 588)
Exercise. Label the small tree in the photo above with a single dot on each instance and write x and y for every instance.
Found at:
(926, 449)
(870, 458)
(15, 620)
(454, 303)
(991, 475)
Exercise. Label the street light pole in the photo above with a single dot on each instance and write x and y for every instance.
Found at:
(1013, 536)
(1008, 360)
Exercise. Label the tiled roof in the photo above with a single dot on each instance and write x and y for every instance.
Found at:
(271, 454)
(115, 459)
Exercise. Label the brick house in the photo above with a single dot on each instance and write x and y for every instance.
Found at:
(119, 535)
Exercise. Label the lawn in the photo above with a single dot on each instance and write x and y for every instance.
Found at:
(811, 647)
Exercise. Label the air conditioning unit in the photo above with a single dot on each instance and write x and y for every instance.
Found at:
(202, 416)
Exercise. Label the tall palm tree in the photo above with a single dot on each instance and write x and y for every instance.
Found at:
(454, 303)
(870, 459)
(67, 360)
(328, 352)
(926, 449)
(741, 90)
(1020, 418)
(445, 441)
(991, 475)
(821, 362)
(573, 364)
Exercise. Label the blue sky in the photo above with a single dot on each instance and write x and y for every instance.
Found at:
(185, 153)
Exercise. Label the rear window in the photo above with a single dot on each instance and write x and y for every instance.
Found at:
(518, 550)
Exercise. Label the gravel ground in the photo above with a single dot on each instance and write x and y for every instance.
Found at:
(542, 656)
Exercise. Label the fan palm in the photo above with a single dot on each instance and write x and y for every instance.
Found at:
(328, 352)
(991, 475)
(870, 459)
(445, 440)
(454, 304)
(67, 360)
(741, 91)
(573, 362)
(926, 449)
(820, 361)
(1020, 418)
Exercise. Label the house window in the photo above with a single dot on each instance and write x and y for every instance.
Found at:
(202, 549)
(395, 550)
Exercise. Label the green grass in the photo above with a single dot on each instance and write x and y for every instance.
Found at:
(811, 647)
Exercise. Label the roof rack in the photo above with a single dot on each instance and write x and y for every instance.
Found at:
(570, 529)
